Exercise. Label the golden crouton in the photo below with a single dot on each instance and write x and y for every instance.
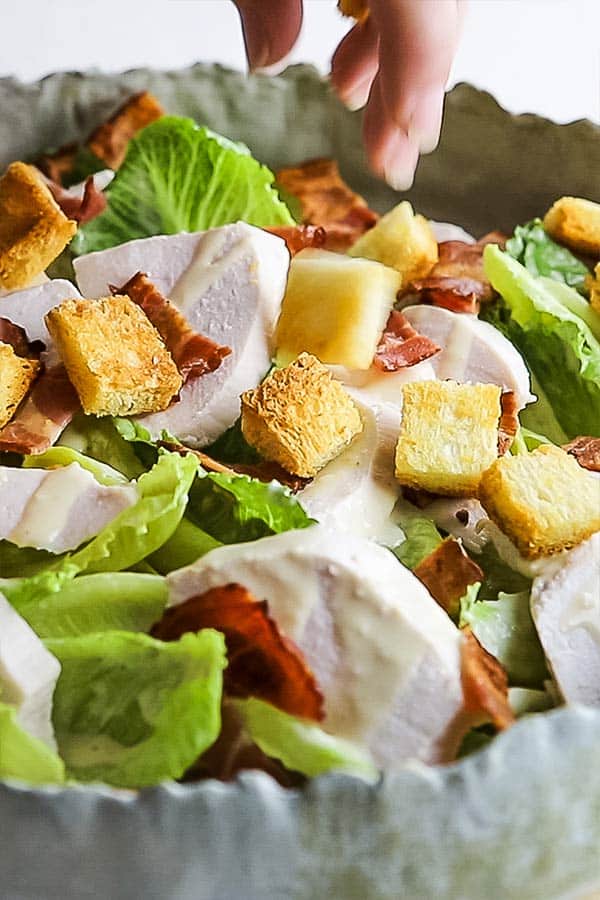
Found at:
(575, 222)
(300, 417)
(594, 286)
(16, 377)
(402, 240)
(544, 501)
(448, 436)
(33, 228)
(114, 356)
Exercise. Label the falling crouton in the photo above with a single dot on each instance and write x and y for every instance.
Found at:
(575, 222)
(33, 228)
(448, 436)
(544, 501)
(114, 356)
(16, 377)
(300, 417)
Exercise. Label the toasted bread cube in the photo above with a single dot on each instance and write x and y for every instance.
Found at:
(448, 436)
(543, 501)
(575, 222)
(300, 417)
(402, 240)
(16, 377)
(114, 356)
(33, 228)
(335, 308)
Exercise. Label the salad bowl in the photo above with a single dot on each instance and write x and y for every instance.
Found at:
(520, 819)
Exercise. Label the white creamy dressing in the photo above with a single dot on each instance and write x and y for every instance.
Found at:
(49, 508)
(364, 623)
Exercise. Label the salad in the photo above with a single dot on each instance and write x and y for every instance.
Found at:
(283, 484)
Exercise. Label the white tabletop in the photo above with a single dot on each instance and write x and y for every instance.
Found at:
(534, 55)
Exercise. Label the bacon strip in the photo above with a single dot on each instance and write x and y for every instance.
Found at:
(401, 346)
(586, 451)
(262, 661)
(58, 164)
(109, 141)
(326, 200)
(509, 421)
(484, 682)
(298, 237)
(17, 338)
(447, 573)
(265, 470)
(193, 353)
(81, 209)
(48, 409)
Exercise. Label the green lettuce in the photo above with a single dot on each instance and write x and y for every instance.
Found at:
(235, 508)
(421, 539)
(102, 440)
(525, 701)
(187, 544)
(506, 630)
(113, 601)
(132, 711)
(533, 247)
(232, 447)
(301, 745)
(22, 562)
(25, 757)
(135, 533)
(557, 345)
(64, 456)
(178, 176)
(575, 304)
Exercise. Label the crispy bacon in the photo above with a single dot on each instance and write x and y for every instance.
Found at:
(17, 338)
(109, 141)
(58, 164)
(327, 200)
(82, 209)
(48, 409)
(401, 346)
(262, 661)
(586, 451)
(298, 237)
(265, 470)
(447, 573)
(509, 421)
(193, 353)
(484, 681)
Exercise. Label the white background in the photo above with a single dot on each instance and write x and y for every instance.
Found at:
(533, 55)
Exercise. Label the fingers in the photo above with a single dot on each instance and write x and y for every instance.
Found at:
(355, 63)
(391, 151)
(271, 28)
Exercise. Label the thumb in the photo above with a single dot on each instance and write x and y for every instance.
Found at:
(270, 27)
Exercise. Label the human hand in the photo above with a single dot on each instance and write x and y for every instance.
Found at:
(395, 62)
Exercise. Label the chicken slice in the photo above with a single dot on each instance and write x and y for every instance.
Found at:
(27, 308)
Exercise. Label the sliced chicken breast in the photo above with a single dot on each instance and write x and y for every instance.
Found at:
(27, 308)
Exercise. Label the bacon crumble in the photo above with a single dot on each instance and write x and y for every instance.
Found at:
(16, 336)
(81, 209)
(447, 572)
(485, 684)
(298, 237)
(509, 421)
(401, 346)
(49, 407)
(586, 451)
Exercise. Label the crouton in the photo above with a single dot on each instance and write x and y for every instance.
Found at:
(110, 140)
(335, 307)
(114, 356)
(575, 222)
(594, 287)
(402, 240)
(448, 436)
(16, 377)
(33, 228)
(543, 501)
(300, 417)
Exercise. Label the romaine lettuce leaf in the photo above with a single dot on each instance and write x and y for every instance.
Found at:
(178, 176)
(498, 575)
(101, 440)
(187, 544)
(575, 304)
(235, 508)
(421, 539)
(21, 562)
(25, 757)
(132, 711)
(301, 745)
(558, 347)
(533, 247)
(506, 630)
(232, 447)
(64, 456)
(113, 601)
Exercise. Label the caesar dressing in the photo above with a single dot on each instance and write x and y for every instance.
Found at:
(49, 508)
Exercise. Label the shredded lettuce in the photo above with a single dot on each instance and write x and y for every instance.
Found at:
(112, 601)
(533, 247)
(178, 176)
(132, 711)
(421, 539)
(506, 630)
(558, 347)
(301, 745)
(25, 757)
(235, 508)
